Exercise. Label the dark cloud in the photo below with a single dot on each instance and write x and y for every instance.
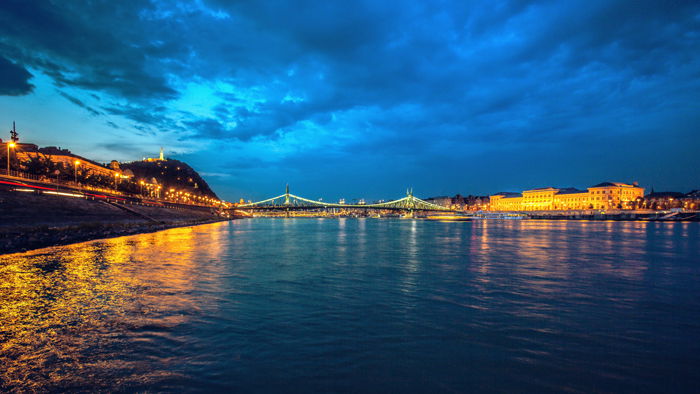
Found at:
(14, 79)
(367, 83)
(79, 103)
(148, 118)
(210, 128)
(87, 45)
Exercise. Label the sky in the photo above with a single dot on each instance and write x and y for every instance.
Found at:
(362, 99)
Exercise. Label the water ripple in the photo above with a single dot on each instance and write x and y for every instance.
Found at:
(358, 305)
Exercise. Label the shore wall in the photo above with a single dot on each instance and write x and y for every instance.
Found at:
(31, 221)
(619, 216)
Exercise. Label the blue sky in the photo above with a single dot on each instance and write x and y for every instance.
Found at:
(363, 99)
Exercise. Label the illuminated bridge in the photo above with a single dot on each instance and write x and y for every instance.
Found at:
(290, 202)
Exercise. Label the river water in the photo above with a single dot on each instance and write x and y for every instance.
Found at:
(359, 305)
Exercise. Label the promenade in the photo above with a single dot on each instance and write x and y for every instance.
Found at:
(38, 214)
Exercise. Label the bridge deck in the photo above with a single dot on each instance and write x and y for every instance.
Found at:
(291, 202)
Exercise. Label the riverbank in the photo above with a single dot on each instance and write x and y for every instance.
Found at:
(654, 216)
(30, 238)
(32, 221)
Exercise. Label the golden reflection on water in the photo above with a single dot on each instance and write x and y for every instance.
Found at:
(544, 251)
(68, 314)
(60, 306)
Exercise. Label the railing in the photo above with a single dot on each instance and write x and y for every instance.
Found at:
(56, 182)
(292, 201)
(78, 186)
(20, 174)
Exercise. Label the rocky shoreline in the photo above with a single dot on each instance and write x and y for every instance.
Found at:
(33, 221)
(22, 239)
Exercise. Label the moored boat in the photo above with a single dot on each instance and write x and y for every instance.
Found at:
(450, 218)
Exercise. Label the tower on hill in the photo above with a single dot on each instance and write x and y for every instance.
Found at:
(161, 157)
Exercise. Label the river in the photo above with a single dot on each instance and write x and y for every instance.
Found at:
(359, 305)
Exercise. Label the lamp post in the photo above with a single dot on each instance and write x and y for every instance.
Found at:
(9, 145)
(56, 172)
(75, 170)
(141, 183)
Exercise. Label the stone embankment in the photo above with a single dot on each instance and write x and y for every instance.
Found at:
(662, 216)
(31, 221)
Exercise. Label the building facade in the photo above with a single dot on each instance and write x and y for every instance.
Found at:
(541, 199)
(672, 200)
(606, 195)
(571, 199)
(614, 195)
(459, 202)
(68, 160)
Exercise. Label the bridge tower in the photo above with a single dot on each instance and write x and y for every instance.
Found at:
(286, 199)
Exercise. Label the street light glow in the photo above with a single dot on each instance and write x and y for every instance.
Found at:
(75, 171)
(10, 144)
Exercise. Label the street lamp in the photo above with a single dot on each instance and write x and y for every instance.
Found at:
(56, 172)
(75, 170)
(9, 145)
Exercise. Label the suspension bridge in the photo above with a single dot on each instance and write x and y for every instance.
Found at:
(290, 202)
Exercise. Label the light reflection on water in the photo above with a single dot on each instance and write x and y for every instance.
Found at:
(352, 305)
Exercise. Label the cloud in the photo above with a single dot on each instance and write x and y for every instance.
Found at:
(14, 79)
(210, 128)
(79, 103)
(388, 83)
(72, 43)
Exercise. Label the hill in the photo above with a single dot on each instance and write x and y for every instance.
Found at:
(171, 174)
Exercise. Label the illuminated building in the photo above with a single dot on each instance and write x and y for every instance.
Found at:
(506, 201)
(614, 195)
(20, 146)
(668, 200)
(442, 201)
(606, 195)
(541, 199)
(570, 198)
(692, 200)
(459, 202)
(67, 159)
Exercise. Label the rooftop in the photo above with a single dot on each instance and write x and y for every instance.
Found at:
(541, 189)
(571, 190)
(618, 184)
(509, 194)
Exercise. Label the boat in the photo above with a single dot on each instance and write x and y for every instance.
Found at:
(450, 218)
